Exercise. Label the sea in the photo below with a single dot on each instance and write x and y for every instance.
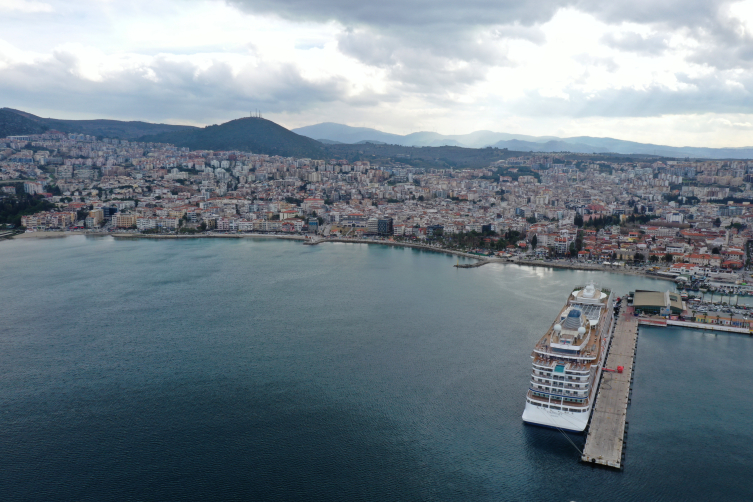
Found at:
(260, 369)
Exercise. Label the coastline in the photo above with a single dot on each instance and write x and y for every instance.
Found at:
(210, 236)
(482, 260)
(45, 235)
(592, 268)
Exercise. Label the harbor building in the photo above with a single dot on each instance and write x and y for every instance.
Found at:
(657, 302)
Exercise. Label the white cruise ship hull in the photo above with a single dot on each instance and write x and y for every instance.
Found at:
(556, 419)
(568, 362)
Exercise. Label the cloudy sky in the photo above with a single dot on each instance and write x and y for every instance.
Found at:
(676, 72)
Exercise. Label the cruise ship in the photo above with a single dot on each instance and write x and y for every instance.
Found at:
(568, 360)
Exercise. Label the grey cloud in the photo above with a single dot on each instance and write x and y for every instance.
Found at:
(370, 48)
(428, 46)
(511, 18)
(724, 56)
(531, 33)
(634, 42)
(444, 65)
(409, 13)
(710, 94)
(169, 89)
(722, 41)
(674, 13)
(430, 23)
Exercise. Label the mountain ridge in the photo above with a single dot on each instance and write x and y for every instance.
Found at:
(253, 134)
(341, 133)
(266, 137)
(17, 122)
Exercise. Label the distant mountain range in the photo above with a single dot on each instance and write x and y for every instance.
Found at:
(329, 140)
(332, 133)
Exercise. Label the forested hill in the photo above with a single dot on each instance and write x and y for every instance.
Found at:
(17, 122)
(252, 134)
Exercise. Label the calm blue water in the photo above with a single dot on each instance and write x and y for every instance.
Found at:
(267, 370)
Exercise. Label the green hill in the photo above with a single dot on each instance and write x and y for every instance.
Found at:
(17, 122)
(252, 134)
(14, 124)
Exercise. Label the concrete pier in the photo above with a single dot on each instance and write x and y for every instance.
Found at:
(606, 434)
(479, 263)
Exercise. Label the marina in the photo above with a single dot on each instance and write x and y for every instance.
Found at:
(606, 434)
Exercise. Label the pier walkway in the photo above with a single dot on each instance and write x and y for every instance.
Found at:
(663, 323)
(606, 433)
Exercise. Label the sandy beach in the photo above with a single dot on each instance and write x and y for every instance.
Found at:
(45, 235)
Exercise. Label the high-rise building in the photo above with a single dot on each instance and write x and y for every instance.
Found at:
(379, 226)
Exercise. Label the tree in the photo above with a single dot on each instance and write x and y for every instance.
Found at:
(638, 257)
(715, 251)
(653, 258)
(718, 222)
(578, 220)
(23, 204)
(534, 242)
(668, 258)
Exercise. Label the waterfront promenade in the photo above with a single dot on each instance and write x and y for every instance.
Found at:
(605, 441)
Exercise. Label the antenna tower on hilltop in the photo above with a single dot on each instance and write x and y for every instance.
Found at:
(256, 114)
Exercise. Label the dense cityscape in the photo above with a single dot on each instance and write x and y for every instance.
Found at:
(690, 213)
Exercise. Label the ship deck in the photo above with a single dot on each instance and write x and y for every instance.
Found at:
(591, 346)
(558, 402)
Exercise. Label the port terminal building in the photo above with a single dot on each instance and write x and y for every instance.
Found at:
(657, 302)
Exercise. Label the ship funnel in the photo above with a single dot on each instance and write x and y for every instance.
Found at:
(589, 291)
